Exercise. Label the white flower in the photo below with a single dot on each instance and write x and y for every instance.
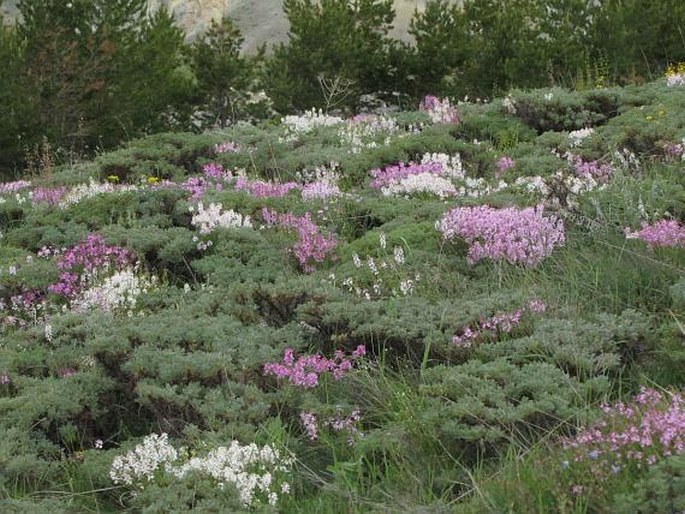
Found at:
(250, 469)
(398, 255)
(118, 293)
(91, 189)
(297, 126)
(421, 183)
(509, 104)
(362, 131)
(356, 260)
(213, 218)
(143, 461)
(576, 137)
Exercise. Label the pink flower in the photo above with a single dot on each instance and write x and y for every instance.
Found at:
(311, 245)
(503, 164)
(664, 233)
(305, 371)
(309, 421)
(522, 236)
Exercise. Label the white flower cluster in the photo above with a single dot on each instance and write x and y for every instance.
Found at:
(247, 468)
(324, 172)
(626, 161)
(573, 185)
(118, 293)
(675, 79)
(364, 131)
(140, 464)
(451, 164)
(385, 274)
(477, 187)
(213, 218)
(83, 191)
(576, 137)
(254, 471)
(421, 183)
(509, 104)
(297, 126)
(534, 185)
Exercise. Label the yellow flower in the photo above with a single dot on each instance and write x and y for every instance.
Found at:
(675, 69)
(113, 179)
(152, 180)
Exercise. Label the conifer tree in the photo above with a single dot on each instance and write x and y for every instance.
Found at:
(331, 39)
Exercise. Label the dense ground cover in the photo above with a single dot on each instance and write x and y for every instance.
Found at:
(466, 308)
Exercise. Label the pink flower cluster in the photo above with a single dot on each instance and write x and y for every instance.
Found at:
(652, 427)
(48, 195)
(216, 171)
(320, 190)
(591, 169)
(78, 263)
(389, 175)
(13, 187)
(498, 324)
(214, 177)
(311, 245)
(503, 164)
(196, 186)
(440, 111)
(261, 189)
(522, 236)
(227, 147)
(305, 371)
(675, 150)
(668, 233)
(338, 423)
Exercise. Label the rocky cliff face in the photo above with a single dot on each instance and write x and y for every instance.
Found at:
(260, 20)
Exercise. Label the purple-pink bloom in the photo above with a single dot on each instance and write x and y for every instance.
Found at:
(664, 233)
(309, 421)
(503, 164)
(13, 187)
(48, 195)
(522, 236)
(85, 259)
(494, 325)
(311, 245)
(261, 189)
(389, 175)
(440, 111)
(650, 428)
(227, 147)
(305, 371)
(591, 169)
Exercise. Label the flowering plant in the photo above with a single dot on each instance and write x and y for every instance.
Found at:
(256, 473)
(522, 236)
(439, 111)
(631, 434)
(305, 371)
(311, 245)
(664, 233)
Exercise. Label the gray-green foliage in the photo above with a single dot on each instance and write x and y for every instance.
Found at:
(662, 490)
